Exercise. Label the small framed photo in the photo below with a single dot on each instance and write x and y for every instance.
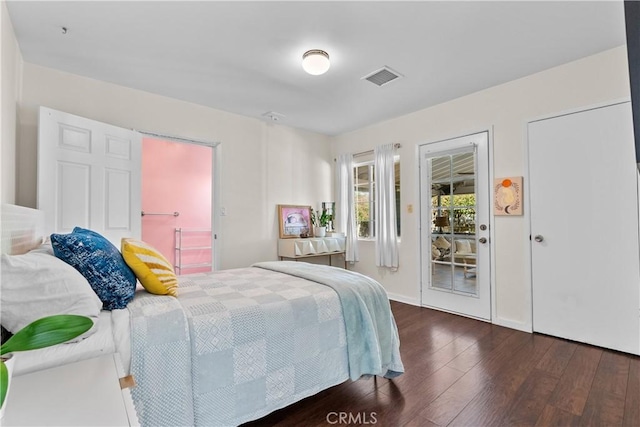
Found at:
(295, 221)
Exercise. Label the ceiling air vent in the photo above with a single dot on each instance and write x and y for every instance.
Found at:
(382, 76)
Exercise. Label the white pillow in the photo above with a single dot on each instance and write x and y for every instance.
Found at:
(463, 246)
(37, 284)
(442, 243)
(45, 248)
(435, 253)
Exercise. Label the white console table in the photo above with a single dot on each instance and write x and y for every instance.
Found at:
(311, 247)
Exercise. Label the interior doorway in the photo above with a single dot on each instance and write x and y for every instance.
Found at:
(454, 200)
(177, 202)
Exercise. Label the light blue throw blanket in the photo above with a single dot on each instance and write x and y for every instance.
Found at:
(372, 335)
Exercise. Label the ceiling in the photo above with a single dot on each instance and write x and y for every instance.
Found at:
(244, 57)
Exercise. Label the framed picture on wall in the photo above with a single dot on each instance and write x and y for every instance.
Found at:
(294, 221)
(507, 193)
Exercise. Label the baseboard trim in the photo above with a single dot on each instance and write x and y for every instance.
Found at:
(456, 313)
(512, 324)
(403, 299)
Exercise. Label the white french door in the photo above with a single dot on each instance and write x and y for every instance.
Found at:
(584, 227)
(88, 176)
(454, 200)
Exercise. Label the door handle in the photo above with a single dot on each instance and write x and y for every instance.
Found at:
(538, 238)
(482, 240)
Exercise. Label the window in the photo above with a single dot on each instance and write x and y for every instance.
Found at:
(364, 198)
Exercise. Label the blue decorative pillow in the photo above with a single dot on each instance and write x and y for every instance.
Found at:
(100, 262)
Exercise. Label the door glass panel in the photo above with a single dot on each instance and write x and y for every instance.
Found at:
(363, 201)
(453, 223)
(442, 276)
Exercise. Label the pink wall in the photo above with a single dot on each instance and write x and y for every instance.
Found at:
(177, 177)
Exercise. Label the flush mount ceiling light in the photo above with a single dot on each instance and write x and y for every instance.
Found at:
(315, 62)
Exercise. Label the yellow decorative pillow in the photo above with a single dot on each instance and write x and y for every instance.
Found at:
(151, 268)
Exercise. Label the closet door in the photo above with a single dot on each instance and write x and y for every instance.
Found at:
(584, 228)
(89, 175)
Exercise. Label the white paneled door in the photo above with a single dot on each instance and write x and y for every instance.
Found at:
(584, 227)
(89, 175)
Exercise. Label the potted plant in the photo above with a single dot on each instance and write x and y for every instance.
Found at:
(320, 222)
(44, 332)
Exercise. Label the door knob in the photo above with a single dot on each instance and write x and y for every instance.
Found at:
(538, 238)
(482, 240)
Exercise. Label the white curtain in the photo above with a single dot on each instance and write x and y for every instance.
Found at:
(345, 215)
(385, 208)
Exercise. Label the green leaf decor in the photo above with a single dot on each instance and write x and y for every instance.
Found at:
(4, 382)
(46, 332)
(41, 333)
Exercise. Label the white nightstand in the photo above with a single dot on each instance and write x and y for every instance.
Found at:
(85, 393)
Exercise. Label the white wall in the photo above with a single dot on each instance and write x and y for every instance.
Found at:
(263, 164)
(10, 75)
(505, 109)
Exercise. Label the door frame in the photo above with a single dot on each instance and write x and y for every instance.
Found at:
(216, 186)
(490, 220)
(527, 201)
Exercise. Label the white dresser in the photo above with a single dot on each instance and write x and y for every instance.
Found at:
(311, 247)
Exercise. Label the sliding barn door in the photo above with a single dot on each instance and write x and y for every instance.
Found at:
(584, 228)
(89, 175)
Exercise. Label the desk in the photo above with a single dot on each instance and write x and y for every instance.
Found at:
(311, 247)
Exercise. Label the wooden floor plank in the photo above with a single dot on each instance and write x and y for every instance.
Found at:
(612, 375)
(603, 409)
(552, 416)
(574, 386)
(530, 399)
(522, 362)
(477, 352)
(450, 403)
(491, 405)
(558, 357)
(414, 396)
(632, 399)
(313, 410)
(605, 405)
(420, 422)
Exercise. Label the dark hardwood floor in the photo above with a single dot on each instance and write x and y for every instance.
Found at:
(462, 372)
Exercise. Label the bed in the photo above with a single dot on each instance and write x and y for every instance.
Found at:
(234, 345)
